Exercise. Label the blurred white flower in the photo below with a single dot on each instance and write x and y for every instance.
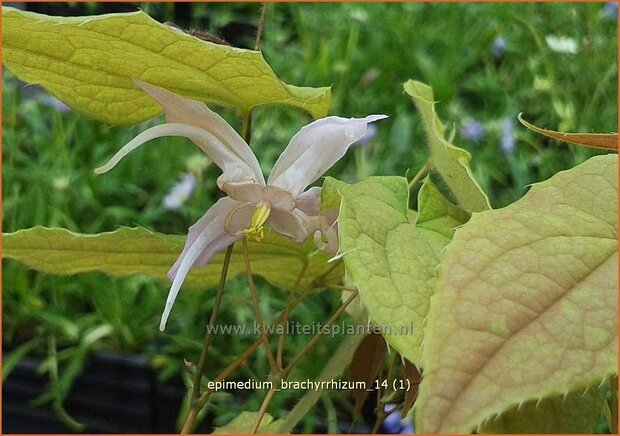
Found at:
(180, 192)
(562, 44)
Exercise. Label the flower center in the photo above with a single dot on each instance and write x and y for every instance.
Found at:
(259, 218)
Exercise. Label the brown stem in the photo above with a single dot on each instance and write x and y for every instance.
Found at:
(262, 410)
(259, 316)
(315, 339)
(202, 362)
(248, 351)
(286, 315)
(261, 25)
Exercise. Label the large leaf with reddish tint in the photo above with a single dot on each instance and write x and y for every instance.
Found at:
(526, 303)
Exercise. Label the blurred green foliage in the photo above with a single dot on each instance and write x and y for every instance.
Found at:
(365, 51)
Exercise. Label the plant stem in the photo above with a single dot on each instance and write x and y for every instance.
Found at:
(202, 363)
(332, 369)
(262, 410)
(344, 288)
(261, 25)
(286, 315)
(248, 351)
(259, 317)
(315, 339)
(246, 128)
(419, 174)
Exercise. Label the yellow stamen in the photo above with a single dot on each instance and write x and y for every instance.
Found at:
(259, 218)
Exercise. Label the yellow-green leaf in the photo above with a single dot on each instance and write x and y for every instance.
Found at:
(242, 424)
(526, 304)
(89, 63)
(391, 260)
(129, 251)
(603, 141)
(451, 162)
(577, 412)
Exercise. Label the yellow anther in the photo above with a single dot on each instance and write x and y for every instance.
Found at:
(259, 218)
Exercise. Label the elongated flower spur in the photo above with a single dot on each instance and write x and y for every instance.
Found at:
(251, 202)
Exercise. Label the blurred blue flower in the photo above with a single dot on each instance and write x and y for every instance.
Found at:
(498, 48)
(472, 130)
(611, 11)
(394, 423)
(53, 102)
(508, 142)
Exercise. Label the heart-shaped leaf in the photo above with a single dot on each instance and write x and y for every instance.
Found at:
(526, 304)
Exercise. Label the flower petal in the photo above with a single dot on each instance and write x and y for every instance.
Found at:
(204, 240)
(244, 192)
(278, 198)
(239, 219)
(186, 111)
(290, 224)
(309, 201)
(314, 149)
(232, 167)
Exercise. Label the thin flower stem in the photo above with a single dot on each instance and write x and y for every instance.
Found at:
(344, 288)
(262, 410)
(261, 25)
(318, 281)
(202, 363)
(246, 128)
(284, 373)
(190, 421)
(248, 351)
(419, 174)
(259, 317)
(316, 338)
(286, 315)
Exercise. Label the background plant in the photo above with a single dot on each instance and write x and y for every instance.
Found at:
(473, 83)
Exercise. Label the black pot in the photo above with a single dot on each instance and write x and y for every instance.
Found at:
(115, 394)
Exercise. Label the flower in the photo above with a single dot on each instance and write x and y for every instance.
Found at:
(498, 48)
(610, 11)
(180, 192)
(508, 142)
(251, 202)
(562, 44)
(472, 130)
(395, 423)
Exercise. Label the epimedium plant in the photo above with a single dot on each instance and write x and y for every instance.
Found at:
(514, 311)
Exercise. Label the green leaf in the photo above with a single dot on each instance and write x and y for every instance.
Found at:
(577, 412)
(139, 251)
(89, 63)
(242, 424)
(12, 359)
(451, 162)
(526, 305)
(390, 260)
(436, 213)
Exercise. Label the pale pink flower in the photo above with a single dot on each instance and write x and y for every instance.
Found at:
(251, 202)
